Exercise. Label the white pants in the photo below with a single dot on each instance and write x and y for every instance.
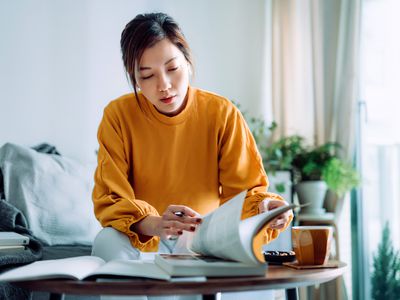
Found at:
(111, 244)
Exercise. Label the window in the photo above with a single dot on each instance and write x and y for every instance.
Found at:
(380, 122)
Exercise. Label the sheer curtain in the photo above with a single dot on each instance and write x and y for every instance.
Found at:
(315, 63)
(380, 147)
(314, 74)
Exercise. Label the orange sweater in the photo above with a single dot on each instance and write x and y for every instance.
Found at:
(200, 158)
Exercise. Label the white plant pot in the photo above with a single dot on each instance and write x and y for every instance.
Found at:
(312, 192)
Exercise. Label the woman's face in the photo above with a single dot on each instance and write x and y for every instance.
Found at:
(163, 77)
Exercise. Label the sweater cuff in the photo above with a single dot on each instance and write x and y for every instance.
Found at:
(251, 208)
(141, 242)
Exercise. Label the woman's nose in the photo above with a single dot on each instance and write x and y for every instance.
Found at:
(164, 83)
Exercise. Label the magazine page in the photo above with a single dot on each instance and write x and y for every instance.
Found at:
(250, 227)
(218, 235)
(73, 268)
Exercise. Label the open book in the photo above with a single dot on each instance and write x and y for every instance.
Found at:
(223, 245)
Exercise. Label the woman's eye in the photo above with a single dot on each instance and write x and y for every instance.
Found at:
(146, 77)
(173, 69)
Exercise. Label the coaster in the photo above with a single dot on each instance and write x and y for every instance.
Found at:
(329, 264)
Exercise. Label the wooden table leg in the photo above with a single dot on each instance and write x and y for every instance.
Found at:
(54, 296)
(292, 294)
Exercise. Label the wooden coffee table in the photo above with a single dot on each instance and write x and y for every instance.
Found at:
(278, 277)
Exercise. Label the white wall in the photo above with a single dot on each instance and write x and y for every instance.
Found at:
(60, 62)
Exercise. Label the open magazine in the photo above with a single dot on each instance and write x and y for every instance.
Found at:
(224, 235)
(223, 245)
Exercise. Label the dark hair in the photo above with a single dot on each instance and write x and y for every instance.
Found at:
(143, 32)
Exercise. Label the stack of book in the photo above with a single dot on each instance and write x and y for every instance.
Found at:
(11, 242)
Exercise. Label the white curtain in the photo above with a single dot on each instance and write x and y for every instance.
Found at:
(315, 63)
(314, 77)
(293, 107)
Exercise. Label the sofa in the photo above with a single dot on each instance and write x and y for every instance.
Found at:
(52, 194)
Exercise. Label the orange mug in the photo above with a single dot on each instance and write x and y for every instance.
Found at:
(312, 244)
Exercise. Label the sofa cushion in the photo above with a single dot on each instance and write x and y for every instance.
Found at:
(64, 251)
(53, 192)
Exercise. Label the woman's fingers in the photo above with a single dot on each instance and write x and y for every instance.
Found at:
(178, 218)
(175, 228)
(187, 211)
(176, 225)
(185, 219)
(272, 204)
(172, 232)
(182, 214)
(278, 223)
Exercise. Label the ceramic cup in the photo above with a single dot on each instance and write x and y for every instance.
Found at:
(312, 244)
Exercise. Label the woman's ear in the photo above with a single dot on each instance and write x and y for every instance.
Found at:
(190, 69)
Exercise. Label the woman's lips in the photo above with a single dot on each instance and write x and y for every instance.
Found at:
(167, 100)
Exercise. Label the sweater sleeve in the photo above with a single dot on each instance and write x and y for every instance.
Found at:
(114, 199)
(241, 168)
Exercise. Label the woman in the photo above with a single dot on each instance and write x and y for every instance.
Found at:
(169, 147)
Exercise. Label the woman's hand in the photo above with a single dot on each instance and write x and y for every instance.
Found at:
(169, 224)
(280, 221)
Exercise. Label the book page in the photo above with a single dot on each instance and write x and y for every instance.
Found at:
(132, 268)
(73, 268)
(218, 235)
(198, 265)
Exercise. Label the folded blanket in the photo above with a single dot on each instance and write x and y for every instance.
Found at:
(11, 219)
(46, 148)
(1, 185)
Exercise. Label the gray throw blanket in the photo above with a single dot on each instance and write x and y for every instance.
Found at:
(11, 219)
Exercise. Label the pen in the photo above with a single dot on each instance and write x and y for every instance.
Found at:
(179, 213)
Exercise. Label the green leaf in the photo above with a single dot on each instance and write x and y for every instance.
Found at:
(280, 187)
(340, 176)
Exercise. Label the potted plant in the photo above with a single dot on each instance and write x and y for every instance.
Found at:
(279, 155)
(314, 170)
(308, 168)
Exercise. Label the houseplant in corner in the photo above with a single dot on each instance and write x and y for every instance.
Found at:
(308, 167)
(317, 169)
(314, 169)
